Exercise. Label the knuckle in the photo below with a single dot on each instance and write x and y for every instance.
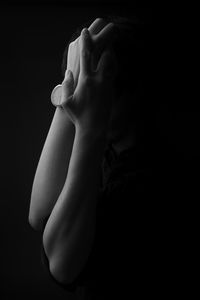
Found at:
(71, 44)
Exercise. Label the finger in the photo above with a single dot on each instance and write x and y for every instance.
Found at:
(68, 83)
(73, 61)
(106, 35)
(104, 39)
(85, 52)
(97, 26)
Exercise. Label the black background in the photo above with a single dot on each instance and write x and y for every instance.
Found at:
(33, 37)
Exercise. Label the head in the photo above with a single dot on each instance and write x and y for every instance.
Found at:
(129, 49)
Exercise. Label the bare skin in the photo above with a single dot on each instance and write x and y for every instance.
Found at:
(70, 229)
(54, 161)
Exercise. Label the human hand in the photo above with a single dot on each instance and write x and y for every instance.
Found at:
(102, 35)
(90, 103)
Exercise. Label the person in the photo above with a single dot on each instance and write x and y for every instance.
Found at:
(94, 217)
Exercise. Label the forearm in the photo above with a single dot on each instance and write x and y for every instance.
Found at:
(52, 167)
(70, 229)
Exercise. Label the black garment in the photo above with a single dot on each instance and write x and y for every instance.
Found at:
(138, 241)
(112, 254)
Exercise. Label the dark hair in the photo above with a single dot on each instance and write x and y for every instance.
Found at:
(128, 47)
(132, 48)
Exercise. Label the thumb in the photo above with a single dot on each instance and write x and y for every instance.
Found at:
(67, 86)
(62, 91)
(107, 65)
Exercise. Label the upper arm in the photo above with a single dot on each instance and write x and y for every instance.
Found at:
(70, 287)
(66, 268)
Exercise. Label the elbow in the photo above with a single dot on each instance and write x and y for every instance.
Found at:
(66, 259)
(56, 258)
(59, 273)
(60, 266)
(65, 270)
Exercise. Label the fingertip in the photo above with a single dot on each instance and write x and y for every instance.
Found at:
(97, 25)
(99, 19)
(85, 32)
